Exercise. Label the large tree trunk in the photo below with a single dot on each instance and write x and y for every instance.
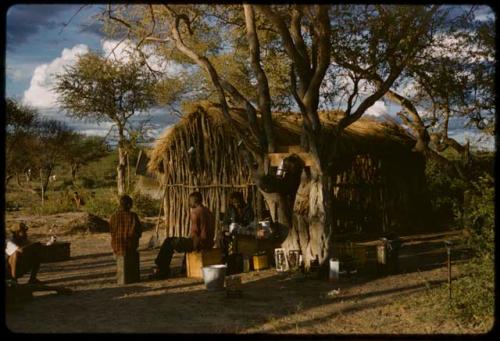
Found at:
(310, 224)
(305, 218)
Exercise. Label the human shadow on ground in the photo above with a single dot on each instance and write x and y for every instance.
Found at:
(188, 307)
(140, 308)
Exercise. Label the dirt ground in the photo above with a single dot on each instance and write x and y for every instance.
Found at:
(272, 302)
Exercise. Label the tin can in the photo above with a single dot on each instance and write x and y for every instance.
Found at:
(334, 270)
(246, 264)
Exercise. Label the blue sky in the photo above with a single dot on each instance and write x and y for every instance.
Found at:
(38, 45)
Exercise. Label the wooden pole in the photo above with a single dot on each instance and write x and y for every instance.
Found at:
(41, 184)
(449, 273)
(448, 251)
(128, 173)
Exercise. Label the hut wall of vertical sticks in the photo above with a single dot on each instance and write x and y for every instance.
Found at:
(198, 155)
(380, 183)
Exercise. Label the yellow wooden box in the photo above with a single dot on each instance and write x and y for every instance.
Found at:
(196, 260)
(260, 262)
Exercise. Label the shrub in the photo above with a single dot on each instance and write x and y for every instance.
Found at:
(473, 295)
(103, 204)
(446, 194)
(57, 202)
(85, 182)
(146, 206)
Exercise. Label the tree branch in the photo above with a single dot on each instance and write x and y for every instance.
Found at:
(205, 64)
(303, 67)
(262, 82)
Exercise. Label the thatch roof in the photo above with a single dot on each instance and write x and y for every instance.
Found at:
(376, 177)
(367, 135)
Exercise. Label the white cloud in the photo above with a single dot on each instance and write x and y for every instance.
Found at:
(122, 51)
(378, 109)
(477, 139)
(39, 93)
(458, 47)
(484, 13)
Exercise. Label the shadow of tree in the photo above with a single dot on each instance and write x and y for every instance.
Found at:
(182, 305)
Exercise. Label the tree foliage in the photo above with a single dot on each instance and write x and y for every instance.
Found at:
(101, 89)
(81, 150)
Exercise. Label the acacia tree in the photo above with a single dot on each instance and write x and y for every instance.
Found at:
(107, 90)
(81, 150)
(21, 122)
(298, 37)
(51, 138)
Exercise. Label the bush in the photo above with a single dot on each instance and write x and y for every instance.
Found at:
(54, 204)
(103, 204)
(146, 206)
(473, 295)
(85, 182)
(446, 195)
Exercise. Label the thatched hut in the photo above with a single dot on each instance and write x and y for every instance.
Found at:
(379, 180)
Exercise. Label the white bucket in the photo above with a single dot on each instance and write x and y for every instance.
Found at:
(214, 276)
(334, 270)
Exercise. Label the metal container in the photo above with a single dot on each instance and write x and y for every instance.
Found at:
(280, 260)
(246, 264)
(260, 262)
(334, 270)
(232, 227)
(214, 276)
(294, 259)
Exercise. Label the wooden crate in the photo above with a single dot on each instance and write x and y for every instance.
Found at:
(57, 252)
(196, 260)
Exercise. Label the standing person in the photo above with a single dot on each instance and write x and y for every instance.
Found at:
(22, 255)
(201, 237)
(126, 230)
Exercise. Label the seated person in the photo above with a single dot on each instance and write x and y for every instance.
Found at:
(202, 237)
(238, 212)
(22, 255)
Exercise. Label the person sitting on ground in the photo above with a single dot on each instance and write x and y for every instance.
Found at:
(125, 228)
(22, 255)
(201, 238)
(78, 200)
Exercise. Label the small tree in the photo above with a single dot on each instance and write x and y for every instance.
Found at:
(21, 122)
(99, 89)
(81, 150)
(52, 137)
